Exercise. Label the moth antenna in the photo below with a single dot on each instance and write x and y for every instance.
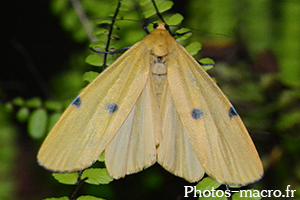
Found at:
(146, 30)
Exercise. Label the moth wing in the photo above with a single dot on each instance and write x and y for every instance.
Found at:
(134, 146)
(215, 131)
(175, 152)
(92, 120)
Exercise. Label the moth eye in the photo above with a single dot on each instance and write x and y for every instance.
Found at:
(196, 113)
(77, 102)
(167, 27)
(112, 107)
(232, 112)
(155, 25)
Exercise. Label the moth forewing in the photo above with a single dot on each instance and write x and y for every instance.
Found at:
(219, 138)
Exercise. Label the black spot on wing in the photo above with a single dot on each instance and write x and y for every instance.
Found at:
(112, 107)
(196, 113)
(232, 112)
(77, 102)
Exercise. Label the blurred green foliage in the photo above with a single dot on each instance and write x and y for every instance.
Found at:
(255, 45)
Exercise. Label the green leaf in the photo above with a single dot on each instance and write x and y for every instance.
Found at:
(98, 45)
(143, 2)
(90, 76)
(100, 31)
(148, 13)
(94, 59)
(193, 48)
(166, 5)
(59, 5)
(52, 120)
(86, 197)
(103, 21)
(97, 176)
(8, 107)
(208, 188)
(102, 157)
(34, 103)
(209, 63)
(18, 101)
(37, 123)
(207, 184)
(184, 36)
(66, 178)
(53, 105)
(22, 114)
(175, 19)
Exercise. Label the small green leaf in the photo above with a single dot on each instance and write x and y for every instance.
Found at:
(103, 21)
(52, 120)
(66, 178)
(144, 2)
(102, 157)
(34, 103)
(94, 59)
(97, 176)
(53, 105)
(207, 184)
(185, 32)
(22, 114)
(9, 108)
(193, 48)
(175, 19)
(98, 45)
(18, 101)
(207, 63)
(37, 123)
(58, 6)
(182, 30)
(149, 12)
(100, 31)
(90, 76)
(166, 5)
(86, 197)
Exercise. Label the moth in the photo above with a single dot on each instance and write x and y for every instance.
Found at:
(155, 103)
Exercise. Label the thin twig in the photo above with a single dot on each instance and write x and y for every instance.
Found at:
(157, 12)
(78, 185)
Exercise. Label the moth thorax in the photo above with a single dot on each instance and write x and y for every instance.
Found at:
(159, 77)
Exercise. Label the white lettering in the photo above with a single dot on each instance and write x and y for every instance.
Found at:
(279, 193)
(187, 192)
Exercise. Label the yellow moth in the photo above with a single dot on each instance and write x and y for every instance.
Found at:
(154, 104)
